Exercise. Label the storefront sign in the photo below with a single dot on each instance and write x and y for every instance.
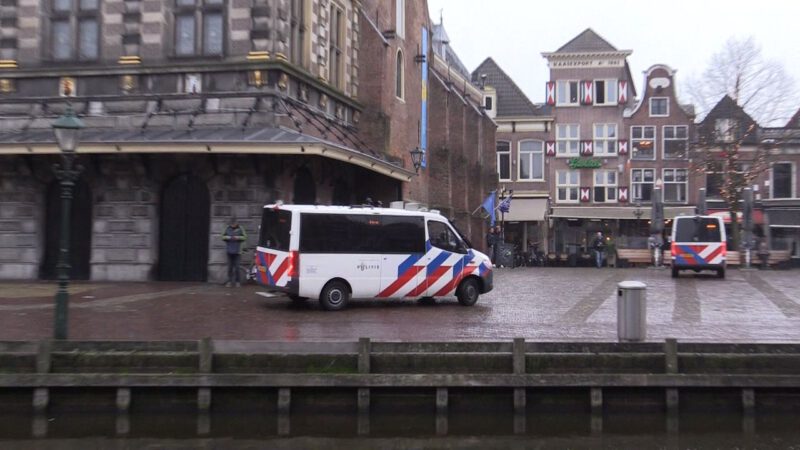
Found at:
(584, 163)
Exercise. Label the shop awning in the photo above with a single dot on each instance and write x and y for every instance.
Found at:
(526, 209)
(616, 212)
(758, 215)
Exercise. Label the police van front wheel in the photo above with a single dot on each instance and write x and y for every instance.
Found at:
(468, 292)
(334, 296)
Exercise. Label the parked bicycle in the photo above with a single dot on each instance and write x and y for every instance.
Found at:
(248, 271)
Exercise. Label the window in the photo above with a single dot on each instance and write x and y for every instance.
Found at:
(336, 57)
(399, 88)
(443, 237)
(400, 18)
(567, 143)
(566, 93)
(531, 160)
(698, 229)
(75, 30)
(567, 186)
(659, 107)
(605, 139)
(488, 103)
(605, 186)
(199, 28)
(504, 160)
(782, 180)
(643, 142)
(642, 182)
(605, 92)
(676, 184)
(297, 50)
(275, 228)
(715, 178)
(676, 139)
(345, 233)
(725, 130)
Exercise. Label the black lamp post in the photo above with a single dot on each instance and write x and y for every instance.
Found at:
(67, 129)
(416, 158)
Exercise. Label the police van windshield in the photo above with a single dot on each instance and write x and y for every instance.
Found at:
(275, 227)
(697, 229)
(461, 234)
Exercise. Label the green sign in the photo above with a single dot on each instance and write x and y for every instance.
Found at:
(584, 163)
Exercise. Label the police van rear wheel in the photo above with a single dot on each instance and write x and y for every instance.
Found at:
(468, 292)
(674, 272)
(335, 296)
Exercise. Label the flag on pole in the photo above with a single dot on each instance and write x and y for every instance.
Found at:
(488, 205)
(505, 205)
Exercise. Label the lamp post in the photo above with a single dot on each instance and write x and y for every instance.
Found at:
(67, 129)
(416, 158)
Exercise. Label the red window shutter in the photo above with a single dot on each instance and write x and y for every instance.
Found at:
(622, 147)
(622, 195)
(586, 92)
(587, 149)
(623, 91)
(586, 194)
(550, 148)
(550, 92)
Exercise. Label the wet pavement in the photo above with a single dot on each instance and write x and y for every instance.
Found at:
(541, 304)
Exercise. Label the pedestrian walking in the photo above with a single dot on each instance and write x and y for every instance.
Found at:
(599, 246)
(234, 237)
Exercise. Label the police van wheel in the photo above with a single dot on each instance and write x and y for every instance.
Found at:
(720, 273)
(468, 292)
(335, 296)
(674, 272)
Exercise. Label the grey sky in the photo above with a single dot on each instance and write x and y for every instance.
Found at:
(682, 34)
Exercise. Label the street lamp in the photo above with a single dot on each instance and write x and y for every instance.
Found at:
(67, 129)
(416, 158)
(638, 209)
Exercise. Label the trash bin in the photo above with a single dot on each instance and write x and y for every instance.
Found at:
(631, 311)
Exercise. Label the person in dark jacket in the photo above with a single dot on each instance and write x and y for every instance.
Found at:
(599, 246)
(234, 237)
(491, 242)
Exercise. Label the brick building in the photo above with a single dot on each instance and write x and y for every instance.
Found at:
(199, 111)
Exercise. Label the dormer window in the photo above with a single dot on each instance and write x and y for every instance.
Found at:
(724, 130)
(659, 107)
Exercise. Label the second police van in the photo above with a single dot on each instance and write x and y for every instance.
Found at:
(335, 253)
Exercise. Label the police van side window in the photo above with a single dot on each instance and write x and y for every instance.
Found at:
(275, 227)
(345, 233)
(443, 237)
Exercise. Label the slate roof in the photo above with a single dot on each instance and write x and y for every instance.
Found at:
(511, 101)
(794, 122)
(587, 42)
(727, 108)
(441, 45)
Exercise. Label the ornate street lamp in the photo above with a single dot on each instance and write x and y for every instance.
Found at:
(638, 210)
(416, 158)
(67, 129)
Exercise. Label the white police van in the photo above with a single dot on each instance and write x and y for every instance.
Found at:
(335, 253)
(698, 243)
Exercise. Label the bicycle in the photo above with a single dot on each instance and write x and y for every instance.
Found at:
(248, 271)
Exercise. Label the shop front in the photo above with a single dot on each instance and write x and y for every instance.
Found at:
(784, 231)
(524, 224)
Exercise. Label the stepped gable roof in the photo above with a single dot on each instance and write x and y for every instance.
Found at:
(511, 101)
(587, 42)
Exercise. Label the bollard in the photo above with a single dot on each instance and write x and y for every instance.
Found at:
(631, 311)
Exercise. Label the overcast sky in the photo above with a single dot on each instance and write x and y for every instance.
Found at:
(682, 34)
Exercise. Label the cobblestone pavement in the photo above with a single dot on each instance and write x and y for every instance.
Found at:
(540, 304)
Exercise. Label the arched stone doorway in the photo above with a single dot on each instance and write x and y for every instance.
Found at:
(184, 230)
(80, 242)
(305, 188)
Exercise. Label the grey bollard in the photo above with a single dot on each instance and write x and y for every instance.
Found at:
(631, 311)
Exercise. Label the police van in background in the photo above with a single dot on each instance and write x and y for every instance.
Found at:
(698, 243)
(335, 253)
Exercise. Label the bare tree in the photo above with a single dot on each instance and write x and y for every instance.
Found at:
(739, 90)
(760, 86)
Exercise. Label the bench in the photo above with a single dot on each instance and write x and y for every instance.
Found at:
(635, 255)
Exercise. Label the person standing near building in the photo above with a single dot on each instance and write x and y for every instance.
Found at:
(234, 237)
(491, 243)
(599, 246)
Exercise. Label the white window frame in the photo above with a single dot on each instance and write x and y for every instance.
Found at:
(606, 185)
(772, 179)
(610, 83)
(568, 141)
(610, 147)
(725, 129)
(665, 182)
(339, 67)
(505, 153)
(400, 72)
(634, 140)
(634, 184)
(650, 109)
(400, 18)
(577, 97)
(570, 187)
(531, 155)
(664, 140)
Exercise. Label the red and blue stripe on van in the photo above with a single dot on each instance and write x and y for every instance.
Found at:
(443, 273)
(276, 268)
(699, 254)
